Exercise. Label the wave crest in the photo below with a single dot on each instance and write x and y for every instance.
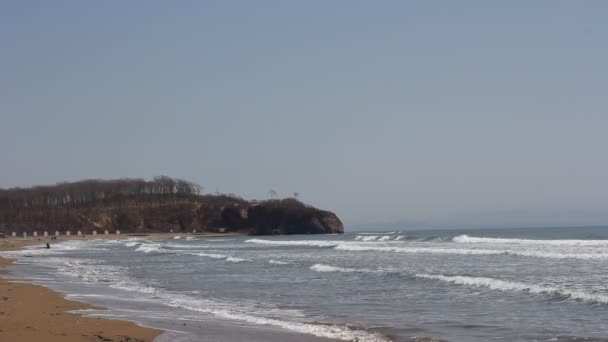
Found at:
(311, 243)
(473, 239)
(503, 285)
(328, 268)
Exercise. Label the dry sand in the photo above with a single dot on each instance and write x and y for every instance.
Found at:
(32, 313)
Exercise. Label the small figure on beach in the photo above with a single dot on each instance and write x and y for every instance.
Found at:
(48, 246)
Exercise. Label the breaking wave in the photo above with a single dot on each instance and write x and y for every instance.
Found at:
(222, 256)
(347, 247)
(212, 255)
(472, 239)
(235, 260)
(466, 251)
(335, 332)
(149, 248)
(328, 268)
(312, 243)
(278, 262)
(502, 285)
(376, 237)
(94, 271)
(416, 248)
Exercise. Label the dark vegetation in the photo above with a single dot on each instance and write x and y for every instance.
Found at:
(160, 205)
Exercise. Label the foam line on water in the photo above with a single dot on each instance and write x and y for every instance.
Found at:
(320, 330)
(471, 251)
(236, 260)
(503, 285)
(328, 268)
(278, 262)
(149, 248)
(473, 239)
(352, 247)
(376, 237)
(183, 246)
(94, 271)
(212, 255)
(311, 243)
(222, 256)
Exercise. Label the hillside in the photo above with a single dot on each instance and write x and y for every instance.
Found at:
(161, 205)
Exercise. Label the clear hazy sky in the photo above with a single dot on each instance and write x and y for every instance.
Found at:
(439, 112)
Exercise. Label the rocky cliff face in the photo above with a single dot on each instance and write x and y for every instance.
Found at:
(177, 214)
(162, 204)
(291, 217)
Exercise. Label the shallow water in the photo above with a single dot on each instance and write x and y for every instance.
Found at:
(466, 285)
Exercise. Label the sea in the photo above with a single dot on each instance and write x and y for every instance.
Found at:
(541, 284)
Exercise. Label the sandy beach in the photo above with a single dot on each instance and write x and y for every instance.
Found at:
(34, 313)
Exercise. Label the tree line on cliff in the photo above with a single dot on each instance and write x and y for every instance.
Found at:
(162, 204)
(94, 190)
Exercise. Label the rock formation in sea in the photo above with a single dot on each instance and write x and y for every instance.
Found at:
(160, 205)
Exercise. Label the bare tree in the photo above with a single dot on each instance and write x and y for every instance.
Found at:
(272, 193)
(92, 190)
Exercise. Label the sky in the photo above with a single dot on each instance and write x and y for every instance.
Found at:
(422, 113)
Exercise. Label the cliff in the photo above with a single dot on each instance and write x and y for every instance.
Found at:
(160, 205)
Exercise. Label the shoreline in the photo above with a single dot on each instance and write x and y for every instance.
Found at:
(30, 312)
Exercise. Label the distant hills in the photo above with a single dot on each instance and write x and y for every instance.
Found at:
(163, 204)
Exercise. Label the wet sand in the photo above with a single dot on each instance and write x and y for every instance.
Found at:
(32, 313)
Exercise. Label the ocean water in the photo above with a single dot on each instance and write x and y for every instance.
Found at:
(455, 285)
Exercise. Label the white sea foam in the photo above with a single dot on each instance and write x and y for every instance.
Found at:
(177, 237)
(467, 251)
(56, 249)
(502, 285)
(96, 272)
(212, 255)
(352, 247)
(112, 241)
(149, 248)
(559, 255)
(472, 239)
(236, 260)
(191, 238)
(278, 262)
(222, 256)
(366, 237)
(131, 244)
(184, 246)
(131, 286)
(329, 268)
(372, 237)
(361, 246)
(116, 277)
(320, 330)
(311, 243)
(378, 238)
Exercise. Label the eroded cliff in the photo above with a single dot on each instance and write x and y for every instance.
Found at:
(161, 205)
